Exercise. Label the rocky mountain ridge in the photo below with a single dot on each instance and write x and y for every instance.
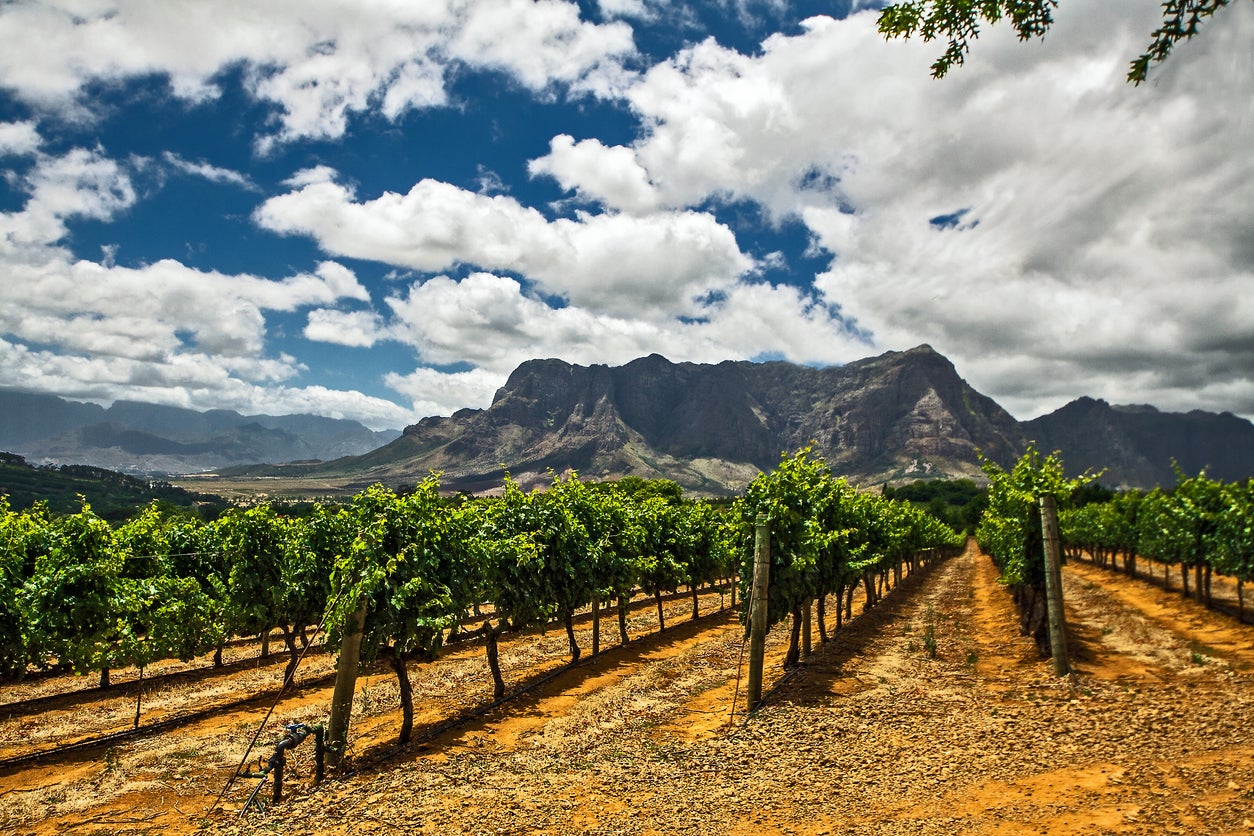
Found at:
(710, 427)
(150, 439)
(887, 419)
(1138, 445)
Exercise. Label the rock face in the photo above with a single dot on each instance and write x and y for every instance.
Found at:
(1137, 444)
(711, 428)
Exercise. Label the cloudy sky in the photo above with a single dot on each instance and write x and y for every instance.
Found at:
(376, 209)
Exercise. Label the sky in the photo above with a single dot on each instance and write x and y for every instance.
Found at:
(377, 209)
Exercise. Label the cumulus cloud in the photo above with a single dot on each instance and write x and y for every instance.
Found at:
(625, 8)
(83, 183)
(318, 63)
(489, 321)
(1053, 230)
(434, 392)
(1031, 205)
(609, 175)
(19, 139)
(150, 312)
(652, 266)
(357, 329)
(160, 332)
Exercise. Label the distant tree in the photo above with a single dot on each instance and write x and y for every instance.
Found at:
(959, 22)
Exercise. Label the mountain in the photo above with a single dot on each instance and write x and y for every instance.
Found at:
(711, 428)
(150, 439)
(1137, 444)
(894, 418)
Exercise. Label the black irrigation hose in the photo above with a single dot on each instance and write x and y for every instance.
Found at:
(33, 705)
(287, 681)
(482, 711)
(129, 734)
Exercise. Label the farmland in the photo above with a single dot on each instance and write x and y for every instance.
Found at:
(871, 734)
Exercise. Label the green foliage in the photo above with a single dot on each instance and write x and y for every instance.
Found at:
(514, 578)
(415, 561)
(1010, 530)
(23, 538)
(1180, 526)
(1233, 535)
(254, 541)
(824, 534)
(1200, 524)
(71, 596)
(159, 613)
(958, 21)
(115, 496)
(959, 503)
(164, 584)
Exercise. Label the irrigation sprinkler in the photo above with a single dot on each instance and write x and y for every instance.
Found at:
(296, 734)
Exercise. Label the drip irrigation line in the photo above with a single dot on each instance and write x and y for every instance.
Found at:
(479, 712)
(143, 731)
(121, 688)
(740, 664)
(260, 728)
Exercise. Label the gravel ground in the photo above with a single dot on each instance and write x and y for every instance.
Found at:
(871, 735)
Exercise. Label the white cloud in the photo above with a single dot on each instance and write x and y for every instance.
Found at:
(651, 266)
(208, 171)
(357, 329)
(83, 183)
(19, 139)
(442, 393)
(191, 381)
(152, 312)
(319, 62)
(489, 322)
(611, 175)
(540, 42)
(1092, 213)
(625, 8)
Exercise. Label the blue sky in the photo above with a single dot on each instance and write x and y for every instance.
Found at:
(378, 210)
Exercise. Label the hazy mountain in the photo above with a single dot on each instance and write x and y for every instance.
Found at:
(893, 418)
(140, 438)
(1137, 444)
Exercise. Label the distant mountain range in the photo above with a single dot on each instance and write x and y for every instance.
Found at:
(1138, 444)
(147, 439)
(893, 418)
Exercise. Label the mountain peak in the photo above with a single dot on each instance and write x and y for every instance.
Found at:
(712, 428)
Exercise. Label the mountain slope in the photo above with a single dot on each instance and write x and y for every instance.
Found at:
(709, 427)
(141, 438)
(1137, 444)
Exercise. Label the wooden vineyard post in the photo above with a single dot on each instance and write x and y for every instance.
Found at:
(1053, 585)
(596, 624)
(805, 627)
(345, 684)
(757, 609)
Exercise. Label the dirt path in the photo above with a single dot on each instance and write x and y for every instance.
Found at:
(871, 736)
(164, 783)
(926, 715)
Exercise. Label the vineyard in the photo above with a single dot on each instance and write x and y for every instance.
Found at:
(569, 661)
